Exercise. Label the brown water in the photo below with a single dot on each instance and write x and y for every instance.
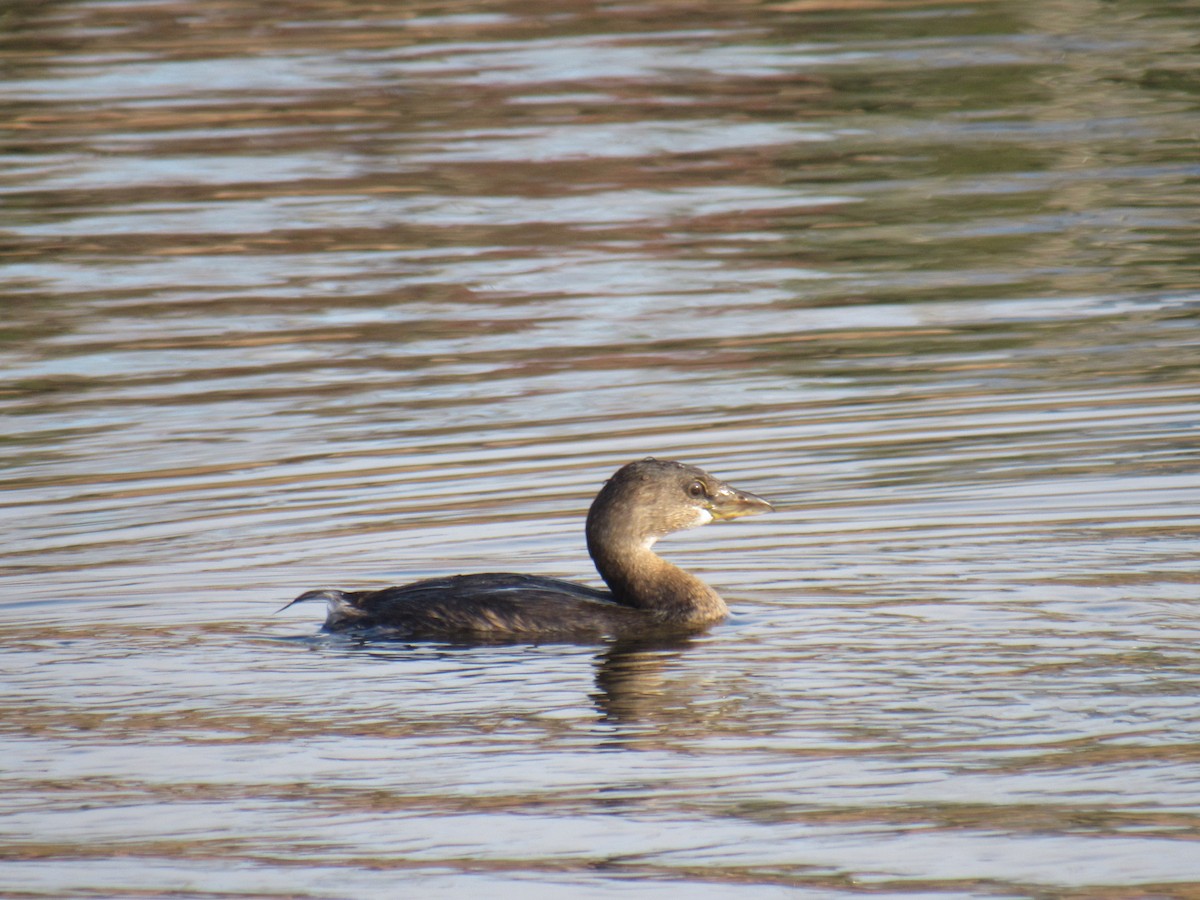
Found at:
(349, 294)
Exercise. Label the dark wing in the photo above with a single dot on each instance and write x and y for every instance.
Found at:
(493, 606)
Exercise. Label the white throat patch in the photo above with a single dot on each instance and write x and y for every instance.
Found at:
(702, 517)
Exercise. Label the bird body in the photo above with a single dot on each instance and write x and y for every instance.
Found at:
(647, 596)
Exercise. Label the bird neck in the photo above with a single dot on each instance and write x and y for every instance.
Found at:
(639, 577)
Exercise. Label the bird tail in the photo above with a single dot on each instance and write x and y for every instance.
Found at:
(335, 599)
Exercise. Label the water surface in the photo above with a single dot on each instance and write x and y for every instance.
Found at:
(349, 294)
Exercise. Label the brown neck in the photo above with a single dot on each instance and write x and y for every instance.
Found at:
(639, 577)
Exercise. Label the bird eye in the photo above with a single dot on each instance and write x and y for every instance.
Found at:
(696, 489)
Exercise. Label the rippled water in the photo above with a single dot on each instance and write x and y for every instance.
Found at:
(350, 294)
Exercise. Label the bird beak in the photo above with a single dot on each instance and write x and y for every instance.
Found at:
(730, 503)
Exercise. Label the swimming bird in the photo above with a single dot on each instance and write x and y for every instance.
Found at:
(646, 597)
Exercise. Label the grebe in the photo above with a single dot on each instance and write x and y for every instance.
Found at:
(647, 596)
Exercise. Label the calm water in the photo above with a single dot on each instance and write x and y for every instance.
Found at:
(349, 294)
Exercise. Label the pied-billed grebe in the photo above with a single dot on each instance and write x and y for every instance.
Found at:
(641, 503)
